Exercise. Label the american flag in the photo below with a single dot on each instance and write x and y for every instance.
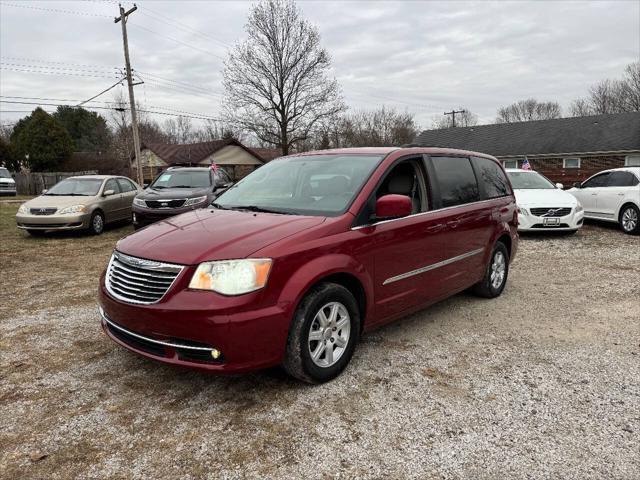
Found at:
(526, 165)
(214, 166)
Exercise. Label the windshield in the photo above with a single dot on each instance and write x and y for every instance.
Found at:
(182, 179)
(307, 185)
(86, 187)
(529, 181)
(4, 173)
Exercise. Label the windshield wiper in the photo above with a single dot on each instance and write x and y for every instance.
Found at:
(218, 206)
(182, 186)
(255, 208)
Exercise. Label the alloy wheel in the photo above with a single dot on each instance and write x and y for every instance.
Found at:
(498, 270)
(98, 223)
(329, 334)
(629, 219)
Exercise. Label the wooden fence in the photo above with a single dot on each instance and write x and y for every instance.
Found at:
(32, 183)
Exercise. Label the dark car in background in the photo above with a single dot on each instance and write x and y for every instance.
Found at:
(178, 190)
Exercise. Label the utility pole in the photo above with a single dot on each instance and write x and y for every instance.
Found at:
(453, 116)
(134, 117)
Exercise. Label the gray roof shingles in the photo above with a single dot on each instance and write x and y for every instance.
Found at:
(598, 133)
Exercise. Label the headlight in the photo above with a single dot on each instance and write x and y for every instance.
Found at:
(23, 208)
(232, 277)
(579, 208)
(139, 202)
(523, 211)
(195, 201)
(73, 209)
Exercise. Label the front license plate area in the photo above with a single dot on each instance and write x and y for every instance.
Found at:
(551, 222)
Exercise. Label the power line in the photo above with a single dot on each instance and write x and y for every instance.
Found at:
(119, 82)
(73, 69)
(68, 64)
(54, 10)
(159, 17)
(55, 73)
(178, 41)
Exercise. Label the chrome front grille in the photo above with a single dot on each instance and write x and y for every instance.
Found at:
(551, 211)
(136, 280)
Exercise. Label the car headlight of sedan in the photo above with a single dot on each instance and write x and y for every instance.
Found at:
(139, 202)
(23, 208)
(195, 201)
(579, 208)
(232, 277)
(73, 209)
(523, 211)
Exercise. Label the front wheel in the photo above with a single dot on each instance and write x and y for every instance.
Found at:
(323, 334)
(630, 219)
(495, 278)
(96, 225)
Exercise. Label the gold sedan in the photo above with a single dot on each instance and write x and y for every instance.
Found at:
(75, 203)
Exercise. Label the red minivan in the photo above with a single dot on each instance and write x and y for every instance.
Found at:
(291, 264)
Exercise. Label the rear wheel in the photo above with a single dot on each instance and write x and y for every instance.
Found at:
(323, 334)
(630, 219)
(495, 278)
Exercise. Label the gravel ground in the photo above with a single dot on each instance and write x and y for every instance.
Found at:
(542, 382)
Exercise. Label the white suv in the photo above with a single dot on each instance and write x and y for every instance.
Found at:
(613, 196)
(7, 184)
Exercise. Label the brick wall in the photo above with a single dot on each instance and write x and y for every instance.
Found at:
(589, 165)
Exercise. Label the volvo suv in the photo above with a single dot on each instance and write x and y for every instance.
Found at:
(295, 261)
(178, 190)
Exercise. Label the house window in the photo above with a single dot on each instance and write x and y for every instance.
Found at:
(570, 163)
(512, 163)
(632, 161)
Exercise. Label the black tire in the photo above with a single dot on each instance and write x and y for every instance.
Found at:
(486, 288)
(630, 219)
(96, 224)
(36, 233)
(298, 361)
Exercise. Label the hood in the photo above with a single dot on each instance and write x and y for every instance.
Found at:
(209, 234)
(544, 198)
(59, 201)
(173, 193)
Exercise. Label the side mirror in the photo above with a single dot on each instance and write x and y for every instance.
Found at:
(108, 193)
(44, 191)
(393, 206)
(577, 184)
(560, 186)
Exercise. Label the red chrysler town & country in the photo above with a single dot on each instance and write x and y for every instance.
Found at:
(292, 263)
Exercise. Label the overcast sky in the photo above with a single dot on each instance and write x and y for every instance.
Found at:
(426, 57)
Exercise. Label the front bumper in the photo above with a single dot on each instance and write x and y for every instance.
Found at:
(143, 216)
(186, 326)
(567, 223)
(53, 222)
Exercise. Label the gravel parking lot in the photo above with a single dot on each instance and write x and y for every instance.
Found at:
(539, 383)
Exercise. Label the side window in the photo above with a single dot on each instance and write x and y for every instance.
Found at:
(597, 181)
(456, 180)
(622, 179)
(112, 185)
(492, 177)
(406, 178)
(125, 185)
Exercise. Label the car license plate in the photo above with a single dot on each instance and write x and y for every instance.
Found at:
(550, 222)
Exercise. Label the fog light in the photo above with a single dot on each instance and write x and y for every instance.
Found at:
(215, 354)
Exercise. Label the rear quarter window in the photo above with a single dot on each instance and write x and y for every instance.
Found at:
(455, 180)
(493, 181)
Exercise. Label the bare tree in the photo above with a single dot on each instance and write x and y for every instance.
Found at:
(376, 128)
(215, 130)
(529, 109)
(179, 130)
(612, 96)
(277, 81)
(465, 119)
